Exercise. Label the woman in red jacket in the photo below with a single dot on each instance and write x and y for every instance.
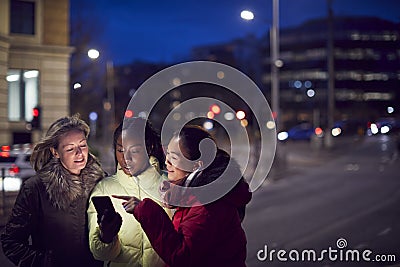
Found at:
(205, 230)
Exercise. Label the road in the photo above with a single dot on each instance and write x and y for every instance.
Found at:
(318, 196)
(353, 197)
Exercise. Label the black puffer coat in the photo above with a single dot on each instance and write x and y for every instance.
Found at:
(51, 210)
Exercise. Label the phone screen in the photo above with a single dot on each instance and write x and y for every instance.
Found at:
(102, 203)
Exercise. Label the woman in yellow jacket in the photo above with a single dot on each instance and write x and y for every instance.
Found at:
(127, 244)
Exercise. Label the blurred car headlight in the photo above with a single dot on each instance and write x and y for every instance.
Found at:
(282, 136)
(336, 131)
(11, 184)
(385, 129)
(374, 128)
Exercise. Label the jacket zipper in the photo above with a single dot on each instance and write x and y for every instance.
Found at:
(142, 244)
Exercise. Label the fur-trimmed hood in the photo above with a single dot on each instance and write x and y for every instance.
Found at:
(63, 188)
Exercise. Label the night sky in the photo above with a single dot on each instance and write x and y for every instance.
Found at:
(165, 31)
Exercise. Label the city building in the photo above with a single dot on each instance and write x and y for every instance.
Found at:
(34, 67)
(366, 70)
(366, 67)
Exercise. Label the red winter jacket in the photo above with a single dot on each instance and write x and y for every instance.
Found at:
(207, 235)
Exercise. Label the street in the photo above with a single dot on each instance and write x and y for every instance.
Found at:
(349, 194)
(353, 197)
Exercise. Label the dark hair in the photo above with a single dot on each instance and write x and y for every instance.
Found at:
(151, 137)
(117, 134)
(190, 137)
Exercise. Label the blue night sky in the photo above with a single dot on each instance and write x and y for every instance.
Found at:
(165, 31)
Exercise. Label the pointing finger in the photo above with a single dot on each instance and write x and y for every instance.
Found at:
(122, 197)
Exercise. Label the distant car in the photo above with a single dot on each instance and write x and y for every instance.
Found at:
(14, 168)
(302, 131)
(384, 125)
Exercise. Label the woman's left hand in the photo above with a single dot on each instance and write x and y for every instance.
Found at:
(130, 202)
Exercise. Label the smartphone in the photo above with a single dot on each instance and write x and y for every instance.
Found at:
(102, 203)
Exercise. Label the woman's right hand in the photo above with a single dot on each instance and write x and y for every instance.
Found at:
(130, 202)
(110, 224)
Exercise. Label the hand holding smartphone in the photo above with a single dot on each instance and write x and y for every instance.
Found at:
(104, 205)
(108, 219)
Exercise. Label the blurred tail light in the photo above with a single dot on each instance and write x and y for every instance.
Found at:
(5, 148)
(13, 170)
(318, 131)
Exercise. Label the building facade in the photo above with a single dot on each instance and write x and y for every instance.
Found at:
(366, 70)
(34, 66)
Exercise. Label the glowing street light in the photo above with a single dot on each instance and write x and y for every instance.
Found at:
(310, 93)
(77, 86)
(247, 15)
(93, 53)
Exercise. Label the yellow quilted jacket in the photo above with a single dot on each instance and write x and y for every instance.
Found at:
(131, 247)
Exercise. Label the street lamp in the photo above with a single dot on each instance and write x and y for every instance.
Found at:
(247, 15)
(93, 53)
(276, 63)
(109, 102)
(331, 76)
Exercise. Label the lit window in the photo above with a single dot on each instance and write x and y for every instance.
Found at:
(23, 93)
(22, 17)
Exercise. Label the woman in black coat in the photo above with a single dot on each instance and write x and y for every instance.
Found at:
(48, 224)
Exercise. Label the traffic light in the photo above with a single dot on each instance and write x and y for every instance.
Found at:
(36, 120)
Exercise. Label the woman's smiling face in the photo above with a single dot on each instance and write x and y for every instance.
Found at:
(72, 151)
(177, 165)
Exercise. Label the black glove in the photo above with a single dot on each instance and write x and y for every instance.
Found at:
(110, 223)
